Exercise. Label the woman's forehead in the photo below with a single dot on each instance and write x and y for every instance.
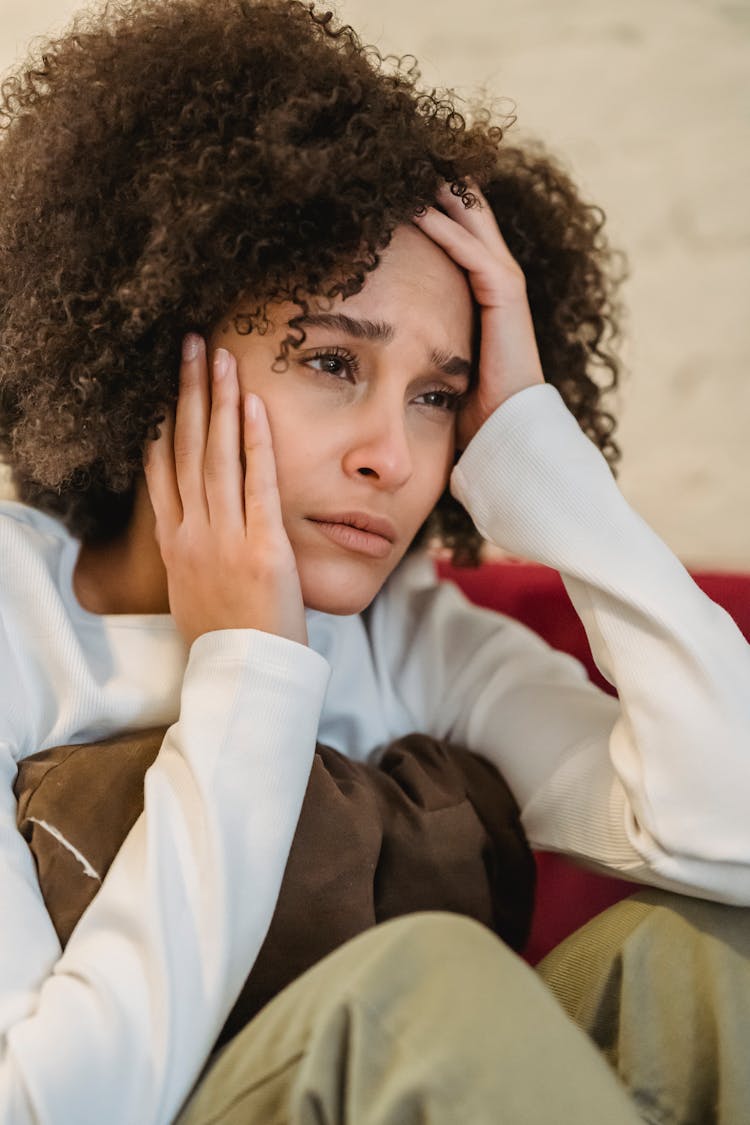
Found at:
(415, 281)
(415, 277)
(413, 255)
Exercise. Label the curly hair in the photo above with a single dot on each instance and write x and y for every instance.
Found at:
(162, 157)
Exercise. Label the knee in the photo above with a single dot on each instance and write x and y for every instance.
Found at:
(437, 943)
(430, 927)
(436, 970)
(653, 948)
(672, 922)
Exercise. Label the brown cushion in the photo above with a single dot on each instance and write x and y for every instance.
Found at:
(431, 827)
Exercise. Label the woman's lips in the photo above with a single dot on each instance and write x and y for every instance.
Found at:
(365, 542)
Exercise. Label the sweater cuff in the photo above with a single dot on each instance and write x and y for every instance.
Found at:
(227, 646)
(241, 682)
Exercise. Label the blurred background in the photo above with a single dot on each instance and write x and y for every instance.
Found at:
(649, 107)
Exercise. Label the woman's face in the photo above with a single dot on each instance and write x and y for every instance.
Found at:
(367, 426)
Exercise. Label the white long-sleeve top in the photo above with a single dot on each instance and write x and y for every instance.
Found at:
(655, 785)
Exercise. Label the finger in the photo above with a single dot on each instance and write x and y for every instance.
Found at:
(262, 500)
(191, 426)
(494, 279)
(161, 480)
(223, 475)
(462, 244)
(474, 217)
(479, 219)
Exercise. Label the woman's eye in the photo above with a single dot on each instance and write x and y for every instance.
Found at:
(340, 364)
(449, 401)
(335, 362)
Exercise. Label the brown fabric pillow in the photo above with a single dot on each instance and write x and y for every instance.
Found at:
(431, 827)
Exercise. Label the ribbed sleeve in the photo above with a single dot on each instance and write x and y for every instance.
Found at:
(158, 958)
(671, 774)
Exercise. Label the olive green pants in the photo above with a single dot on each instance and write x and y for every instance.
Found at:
(429, 1019)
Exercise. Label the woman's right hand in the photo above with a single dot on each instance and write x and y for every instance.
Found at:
(219, 528)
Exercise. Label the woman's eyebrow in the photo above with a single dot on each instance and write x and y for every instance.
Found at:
(379, 331)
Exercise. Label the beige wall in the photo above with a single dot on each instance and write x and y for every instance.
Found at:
(649, 105)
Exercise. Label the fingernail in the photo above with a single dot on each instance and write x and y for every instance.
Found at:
(221, 362)
(251, 407)
(420, 212)
(190, 345)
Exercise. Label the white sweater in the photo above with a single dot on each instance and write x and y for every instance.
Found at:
(655, 786)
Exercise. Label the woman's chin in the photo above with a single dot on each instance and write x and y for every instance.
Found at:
(336, 604)
(338, 589)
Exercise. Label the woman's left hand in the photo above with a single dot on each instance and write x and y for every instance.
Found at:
(508, 355)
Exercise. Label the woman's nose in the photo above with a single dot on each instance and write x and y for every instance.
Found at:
(379, 448)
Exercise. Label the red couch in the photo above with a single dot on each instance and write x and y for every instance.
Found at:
(568, 895)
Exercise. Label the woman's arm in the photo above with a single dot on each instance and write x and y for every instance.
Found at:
(655, 786)
(119, 1027)
(29, 946)
(680, 741)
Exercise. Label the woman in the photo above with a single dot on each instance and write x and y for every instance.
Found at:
(250, 174)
